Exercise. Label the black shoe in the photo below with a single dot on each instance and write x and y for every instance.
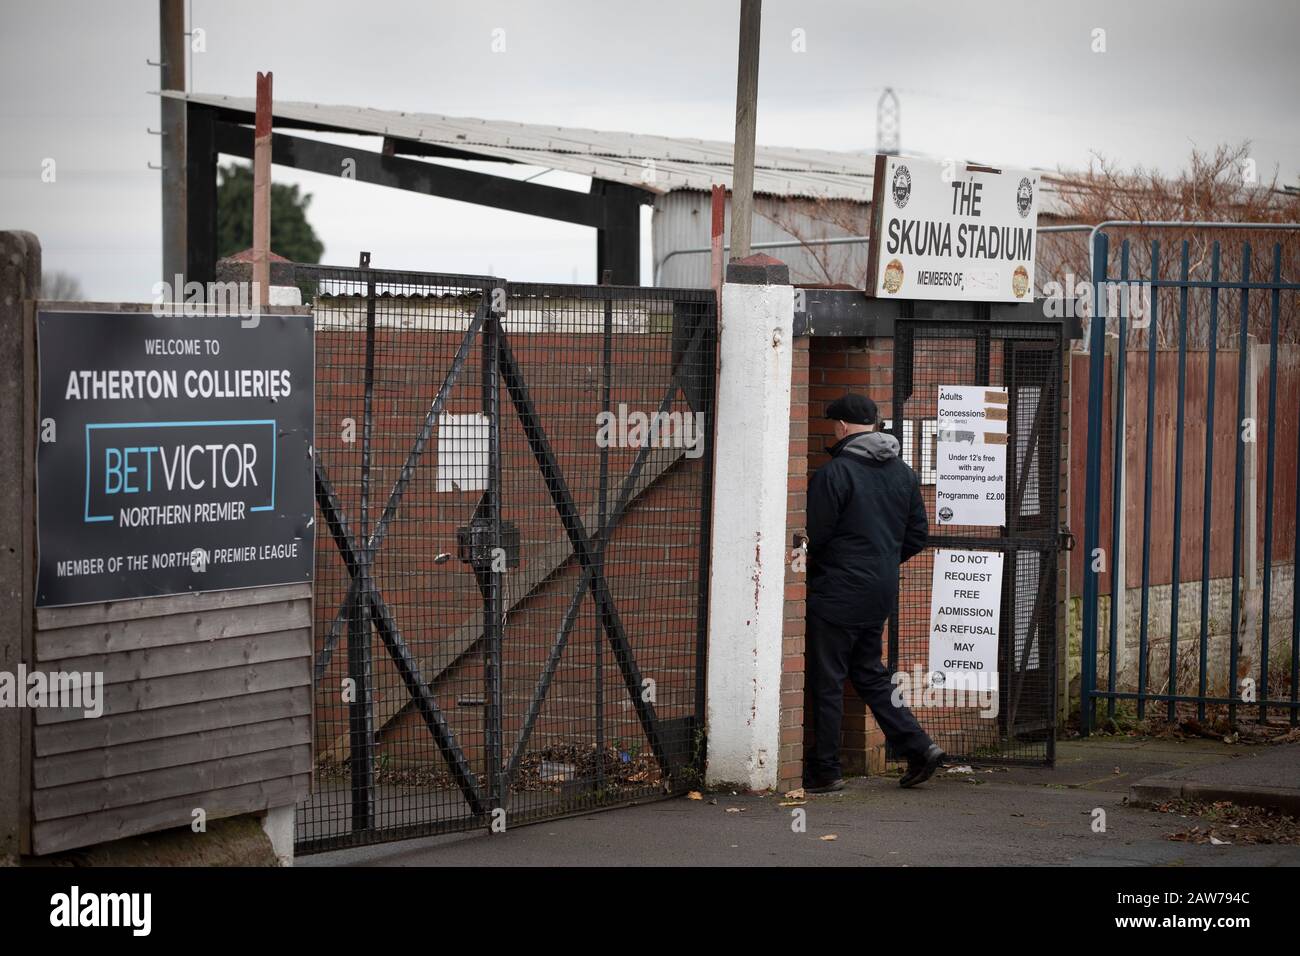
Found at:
(828, 786)
(920, 769)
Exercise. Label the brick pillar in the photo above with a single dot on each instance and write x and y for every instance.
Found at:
(835, 366)
(792, 643)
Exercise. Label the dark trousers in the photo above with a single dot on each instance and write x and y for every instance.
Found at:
(832, 654)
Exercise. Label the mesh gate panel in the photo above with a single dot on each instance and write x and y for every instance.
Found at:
(618, 637)
(479, 647)
(385, 345)
(1026, 359)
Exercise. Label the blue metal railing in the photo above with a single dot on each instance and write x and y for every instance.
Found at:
(1098, 560)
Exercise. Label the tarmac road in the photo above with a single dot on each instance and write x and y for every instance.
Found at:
(1013, 817)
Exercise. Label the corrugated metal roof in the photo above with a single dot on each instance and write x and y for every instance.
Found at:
(612, 156)
(677, 163)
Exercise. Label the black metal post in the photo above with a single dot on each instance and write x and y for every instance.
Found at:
(1175, 574)
(1208, 499)
(200, 196)
(492, 576)
(1143, 640)
(704, 388)
(1118, 518)
(606, 373)
(361, 708)
(618, 238)
(1270, 484)
(904, 344)
(1238, 492)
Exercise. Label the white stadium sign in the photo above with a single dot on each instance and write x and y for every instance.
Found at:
(944, 230)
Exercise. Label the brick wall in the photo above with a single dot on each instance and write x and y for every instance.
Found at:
(654, 588)
(792, 641)
(651, 564)
(824, 369)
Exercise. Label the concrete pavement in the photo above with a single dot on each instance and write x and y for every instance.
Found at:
(1005, 816)
(1266, 776)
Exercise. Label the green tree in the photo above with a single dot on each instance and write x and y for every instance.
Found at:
(291, 234)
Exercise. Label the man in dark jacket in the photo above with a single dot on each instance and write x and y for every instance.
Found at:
(866, 516)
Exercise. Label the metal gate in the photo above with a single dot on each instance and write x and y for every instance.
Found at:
(513, 482)
(1025, 357)
(1197, 611)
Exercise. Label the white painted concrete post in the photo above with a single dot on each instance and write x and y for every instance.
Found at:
(747, 570)
(277, 824)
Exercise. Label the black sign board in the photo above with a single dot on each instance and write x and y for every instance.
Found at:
(173, 454)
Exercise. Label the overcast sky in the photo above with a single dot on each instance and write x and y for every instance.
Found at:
(1004, 82)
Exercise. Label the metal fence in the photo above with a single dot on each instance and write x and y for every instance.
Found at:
(1027, 359)
(1213, 639)
(513, 483)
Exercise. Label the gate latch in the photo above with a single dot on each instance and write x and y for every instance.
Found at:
(474, 543)
(1067, 541)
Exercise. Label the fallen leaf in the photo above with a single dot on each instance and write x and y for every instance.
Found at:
(798, 794)
(964, 768)
(695, 795)
(793, 803)
(828, 837)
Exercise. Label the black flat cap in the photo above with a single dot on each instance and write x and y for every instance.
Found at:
(855, 409)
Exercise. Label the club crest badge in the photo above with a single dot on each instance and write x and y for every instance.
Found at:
(901, 188)
(1020, 282)
(893, 280)
(1024, 197)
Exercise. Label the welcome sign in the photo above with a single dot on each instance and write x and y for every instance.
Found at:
(173, 454)
(952, 231)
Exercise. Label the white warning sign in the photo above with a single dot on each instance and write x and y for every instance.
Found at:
(971, 456)
(965, 619)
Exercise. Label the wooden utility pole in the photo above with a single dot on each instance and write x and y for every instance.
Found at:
(171, 67)
(262, 190)
(742, 163)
